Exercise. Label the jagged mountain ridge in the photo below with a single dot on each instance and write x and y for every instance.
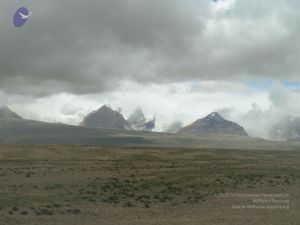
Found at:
(137, 117)
(174, 127)
(138, 121)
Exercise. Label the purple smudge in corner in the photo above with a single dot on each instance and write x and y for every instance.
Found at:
(18, 21)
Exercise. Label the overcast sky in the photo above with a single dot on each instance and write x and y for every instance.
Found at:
(177, 59)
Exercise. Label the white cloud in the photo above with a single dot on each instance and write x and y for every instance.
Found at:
(256, 110)
(222, 5)
(262, 117)
(184, 102)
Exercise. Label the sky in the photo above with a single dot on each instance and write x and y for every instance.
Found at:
(176, 59)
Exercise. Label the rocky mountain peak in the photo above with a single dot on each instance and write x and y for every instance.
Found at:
(214, 124)
(105, 117)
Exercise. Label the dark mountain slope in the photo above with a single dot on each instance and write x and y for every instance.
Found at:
(214, 124)
(105, 117)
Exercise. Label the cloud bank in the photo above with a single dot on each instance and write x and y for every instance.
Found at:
(84, 47)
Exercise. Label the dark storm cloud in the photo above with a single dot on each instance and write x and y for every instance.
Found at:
(90, 46)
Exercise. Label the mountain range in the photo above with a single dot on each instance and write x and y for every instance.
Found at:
(105, 117)
(106, 126)
(15, 130)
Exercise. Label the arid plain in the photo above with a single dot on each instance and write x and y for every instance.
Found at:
(89, 185)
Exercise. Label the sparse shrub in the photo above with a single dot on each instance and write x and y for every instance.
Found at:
(163, 198)
(131, 195)
(128, 204)
(46, 212)
(287, 181)
(76, 211)
(29, 174)
(24, 213)
(62, 212)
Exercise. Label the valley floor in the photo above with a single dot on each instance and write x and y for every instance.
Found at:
(93, 185)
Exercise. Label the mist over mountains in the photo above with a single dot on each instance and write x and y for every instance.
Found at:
(16, 130)
(138, 121)
(174, 127)
(212, 124)
(286, 129)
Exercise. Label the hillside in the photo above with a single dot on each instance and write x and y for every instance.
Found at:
(214, 124)
(105, 117)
